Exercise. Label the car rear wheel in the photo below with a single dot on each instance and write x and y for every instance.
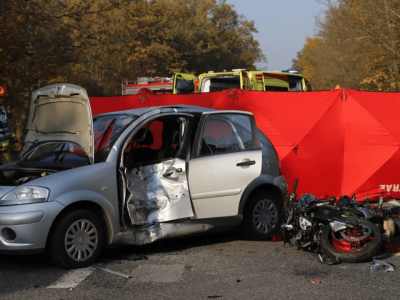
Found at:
(263, 216)
(77, 239)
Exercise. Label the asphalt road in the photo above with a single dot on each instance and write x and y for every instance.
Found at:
(216, 266)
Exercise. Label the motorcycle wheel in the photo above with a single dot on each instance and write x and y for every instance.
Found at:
(334, 245)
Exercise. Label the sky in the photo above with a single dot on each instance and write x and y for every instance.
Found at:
(283, 26)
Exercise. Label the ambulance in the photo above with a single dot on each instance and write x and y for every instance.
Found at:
(281, 81)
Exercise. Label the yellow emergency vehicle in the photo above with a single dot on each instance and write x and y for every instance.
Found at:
(241, 79)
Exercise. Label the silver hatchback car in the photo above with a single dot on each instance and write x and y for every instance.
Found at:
(83, 183)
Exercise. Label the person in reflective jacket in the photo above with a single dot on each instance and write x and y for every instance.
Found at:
(6, 136)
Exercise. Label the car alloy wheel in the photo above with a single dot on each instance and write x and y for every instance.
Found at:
(265, 216)
(77, 239)
(81, 240)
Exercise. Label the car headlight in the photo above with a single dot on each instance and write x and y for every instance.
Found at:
(25, 194)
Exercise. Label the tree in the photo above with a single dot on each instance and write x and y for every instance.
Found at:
(358, 46)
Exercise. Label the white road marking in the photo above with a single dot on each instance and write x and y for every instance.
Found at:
(72, 278)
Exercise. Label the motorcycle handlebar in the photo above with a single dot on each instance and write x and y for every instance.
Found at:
(293, 196)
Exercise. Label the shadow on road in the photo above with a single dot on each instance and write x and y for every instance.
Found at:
(175, 244)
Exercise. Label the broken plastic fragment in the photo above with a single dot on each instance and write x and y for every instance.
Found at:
(315, 281)
(380, 264)
(276, 238)
(127, 276)
(325, 259)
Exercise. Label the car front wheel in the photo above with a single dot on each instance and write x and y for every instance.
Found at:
(77, 239)
(263, 216)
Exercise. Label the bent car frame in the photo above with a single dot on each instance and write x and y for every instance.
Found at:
(83, 183)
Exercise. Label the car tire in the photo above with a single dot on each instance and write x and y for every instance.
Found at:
(262, 216)
(76, 240)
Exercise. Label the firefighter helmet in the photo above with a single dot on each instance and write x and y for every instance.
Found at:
(3, 92)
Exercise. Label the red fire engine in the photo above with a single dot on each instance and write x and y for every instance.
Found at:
(158, 85)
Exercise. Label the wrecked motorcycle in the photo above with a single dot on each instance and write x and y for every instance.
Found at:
(339, 231)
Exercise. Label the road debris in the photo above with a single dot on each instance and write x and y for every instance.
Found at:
(112, 271)
(314, 281)
(325, 259)
(380, 264)
(211, 297)
(276, 238)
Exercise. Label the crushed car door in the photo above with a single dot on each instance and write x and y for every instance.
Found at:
(226, 157)
(184, 83)
(155, 171)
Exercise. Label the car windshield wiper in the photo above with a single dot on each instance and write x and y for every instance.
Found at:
(104, 133)
(59, 152)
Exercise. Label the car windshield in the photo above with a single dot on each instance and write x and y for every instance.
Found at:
(60, 155)
(107, 129)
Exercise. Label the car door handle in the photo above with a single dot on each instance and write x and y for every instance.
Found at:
(168, 174)
(246, 163)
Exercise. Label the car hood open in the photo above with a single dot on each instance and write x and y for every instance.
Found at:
(60, 112)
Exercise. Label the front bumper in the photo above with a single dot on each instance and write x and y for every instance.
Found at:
(25, 228)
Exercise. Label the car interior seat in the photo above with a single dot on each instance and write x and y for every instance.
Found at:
(142, 152)
(211, 142)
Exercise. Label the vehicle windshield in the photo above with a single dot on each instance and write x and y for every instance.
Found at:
(107, 129)
(65, 155)
(220, 83)
(59, 155)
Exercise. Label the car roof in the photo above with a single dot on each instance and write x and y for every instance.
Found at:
(165, 108)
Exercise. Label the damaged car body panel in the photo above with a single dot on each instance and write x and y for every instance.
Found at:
(157, 231)
(155, 174)
(133, 177)
(157, 194)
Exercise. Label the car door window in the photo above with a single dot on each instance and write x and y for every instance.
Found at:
(226, 133)
(156, 141)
